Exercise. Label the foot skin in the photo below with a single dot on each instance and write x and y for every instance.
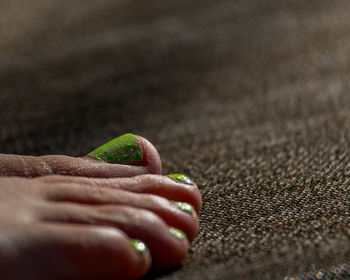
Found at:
(65, 227)
(125, 156)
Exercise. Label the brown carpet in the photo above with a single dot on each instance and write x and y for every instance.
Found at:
(250, 98)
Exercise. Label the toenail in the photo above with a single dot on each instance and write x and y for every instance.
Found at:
(186, 207)
(177, 233)
(139, 246)
(124, 149)
(181, 178)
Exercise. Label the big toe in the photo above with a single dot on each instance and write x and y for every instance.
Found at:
(125, 156)
(151, 158)
(130, 150)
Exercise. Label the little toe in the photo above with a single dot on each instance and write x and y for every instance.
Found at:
(62, 251)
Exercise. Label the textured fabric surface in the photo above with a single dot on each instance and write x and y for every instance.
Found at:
(249, 98)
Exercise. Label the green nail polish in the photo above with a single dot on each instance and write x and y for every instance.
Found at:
(177, 233)
(181, 178)
(139, 246)
(186, 207)
(124, 149)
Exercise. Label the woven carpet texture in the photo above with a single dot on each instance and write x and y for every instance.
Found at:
(249, 98)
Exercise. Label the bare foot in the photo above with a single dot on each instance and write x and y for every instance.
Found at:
(63, 227)
(75, 227)
(125, 156)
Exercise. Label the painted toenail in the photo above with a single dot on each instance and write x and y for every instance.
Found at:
(124, 149)
(139, 246)
(177, 233)
(186, 207)
(181, 178)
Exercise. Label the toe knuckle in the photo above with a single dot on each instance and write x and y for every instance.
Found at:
(150, 217)
(153, 199)
(151, 180)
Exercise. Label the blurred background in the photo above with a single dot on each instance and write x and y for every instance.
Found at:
(250, 98)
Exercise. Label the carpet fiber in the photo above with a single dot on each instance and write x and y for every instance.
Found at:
(249, 98)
